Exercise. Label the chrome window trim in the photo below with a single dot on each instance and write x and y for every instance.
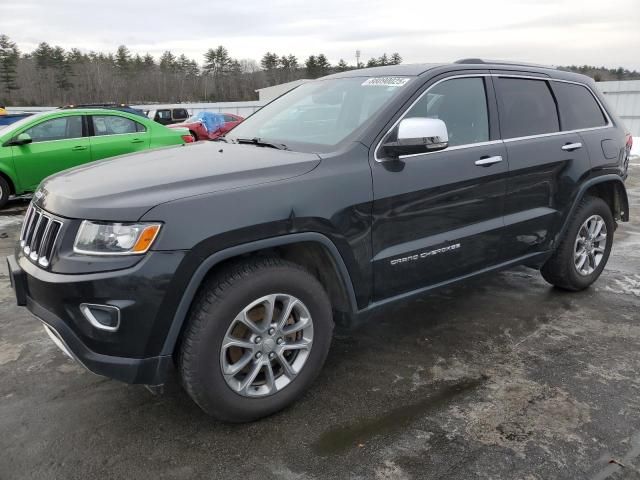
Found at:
(119, 134)
(501, 140)
(448, 149)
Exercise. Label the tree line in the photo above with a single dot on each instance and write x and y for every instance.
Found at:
(51, 75)
(604, 74)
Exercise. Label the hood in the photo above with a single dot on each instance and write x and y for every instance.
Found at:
(125, 187)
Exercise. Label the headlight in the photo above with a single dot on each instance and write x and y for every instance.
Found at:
(95, 238)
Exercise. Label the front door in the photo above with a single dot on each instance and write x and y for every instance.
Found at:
(438, 216)
(57, 144)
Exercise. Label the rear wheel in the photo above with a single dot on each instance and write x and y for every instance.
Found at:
(5, 189)
(193, 134)
(257, 337)
(585, 248)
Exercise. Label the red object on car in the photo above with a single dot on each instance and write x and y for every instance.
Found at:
(199, 130)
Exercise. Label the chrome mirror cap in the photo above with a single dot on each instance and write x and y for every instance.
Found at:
(415, 136)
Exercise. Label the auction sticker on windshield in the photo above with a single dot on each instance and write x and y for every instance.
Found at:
(385, 82)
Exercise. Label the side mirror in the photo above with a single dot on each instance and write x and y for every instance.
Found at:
(418, 135)
(22, 139)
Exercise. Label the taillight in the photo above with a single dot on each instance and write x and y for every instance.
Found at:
(188, 138)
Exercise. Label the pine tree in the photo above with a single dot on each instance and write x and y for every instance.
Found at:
(217, 61)
(311, 64)
(42, 56)
(168, 62)
(148, 61)
(372, 62)
(9, 55)
(324, 67)
(123, 58)
(396, 59)
(269, 61)
(342, 66)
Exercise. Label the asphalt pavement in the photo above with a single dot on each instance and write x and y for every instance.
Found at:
(501, 377)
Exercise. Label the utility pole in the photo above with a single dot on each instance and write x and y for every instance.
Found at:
(357, 58)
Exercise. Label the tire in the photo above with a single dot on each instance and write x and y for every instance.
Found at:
(5, 189)
(214, 319)
(561, 269)
(193, 134)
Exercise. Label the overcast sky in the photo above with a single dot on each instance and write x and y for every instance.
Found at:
(559, 32)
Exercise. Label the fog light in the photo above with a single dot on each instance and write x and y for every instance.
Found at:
(102, 317)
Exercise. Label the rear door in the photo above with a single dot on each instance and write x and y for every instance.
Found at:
(544, 163)
(113, 135)
(438, 216)
(581, 111)
(57, 144)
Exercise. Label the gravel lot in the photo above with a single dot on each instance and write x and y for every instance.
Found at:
(502, 377)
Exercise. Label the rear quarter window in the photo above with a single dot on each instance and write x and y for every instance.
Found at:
(180, 114)
(527, 108)
(578, 108)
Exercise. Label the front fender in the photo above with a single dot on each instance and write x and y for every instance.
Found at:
(7, 169)
(211, 261)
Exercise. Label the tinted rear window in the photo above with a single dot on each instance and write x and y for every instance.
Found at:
(578, 108)
(526, 108)
(180, 113)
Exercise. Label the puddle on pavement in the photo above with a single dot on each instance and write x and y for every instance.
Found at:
(340, 439)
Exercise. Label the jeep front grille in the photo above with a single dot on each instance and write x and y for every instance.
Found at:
(39, 235)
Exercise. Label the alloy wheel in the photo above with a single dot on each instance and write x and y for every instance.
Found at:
(590, 245)
(267, 345)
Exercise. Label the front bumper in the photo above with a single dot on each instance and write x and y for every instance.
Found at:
(132, 354)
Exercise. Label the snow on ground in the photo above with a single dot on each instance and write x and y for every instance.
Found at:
(635, 150)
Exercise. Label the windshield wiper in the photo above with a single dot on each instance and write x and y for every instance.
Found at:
(262, 143)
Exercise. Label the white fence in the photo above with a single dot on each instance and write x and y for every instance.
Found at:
(244, 109)
(624, 98)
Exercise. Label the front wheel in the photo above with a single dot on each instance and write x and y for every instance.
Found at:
(257, 337)
(4, 192)
(585, 248)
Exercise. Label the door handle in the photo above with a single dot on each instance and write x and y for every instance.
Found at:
(487, 161)
(570, 147)
(137, 140)
(78, 148)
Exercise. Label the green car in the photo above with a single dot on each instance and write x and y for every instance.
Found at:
(43, 144)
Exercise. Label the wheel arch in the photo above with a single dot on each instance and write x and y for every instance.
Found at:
(10, 181)
(310, 249)
(608, 187)
(614, 193)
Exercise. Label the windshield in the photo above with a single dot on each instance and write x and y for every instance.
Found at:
(320, 113)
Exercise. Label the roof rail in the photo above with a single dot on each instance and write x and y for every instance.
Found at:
(500, 62)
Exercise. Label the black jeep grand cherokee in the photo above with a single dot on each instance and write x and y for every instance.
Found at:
(362, 188)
